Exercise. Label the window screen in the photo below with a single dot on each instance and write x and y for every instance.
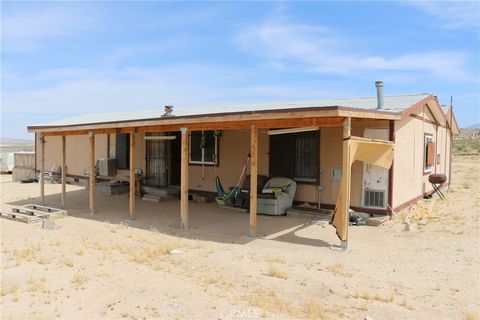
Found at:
(122, 150)
(206, 140)
(294, 155)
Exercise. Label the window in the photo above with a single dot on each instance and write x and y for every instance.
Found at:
(203, 147)
(294, 155)
(429, 154)
(122, 150)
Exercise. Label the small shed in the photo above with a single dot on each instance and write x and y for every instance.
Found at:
(23, 166)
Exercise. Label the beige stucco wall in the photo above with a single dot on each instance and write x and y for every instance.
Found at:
(78, 153)
(234, 145)
(409, 178)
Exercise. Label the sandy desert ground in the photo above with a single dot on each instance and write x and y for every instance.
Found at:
(108, 267)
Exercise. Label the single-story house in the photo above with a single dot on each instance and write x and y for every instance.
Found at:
(302, 140)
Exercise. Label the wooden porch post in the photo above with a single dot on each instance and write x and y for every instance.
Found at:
(42, 169)
(133, 213)
(92, 194)
(184, 181)
(253, 180)
(64, 169)
(347, 127)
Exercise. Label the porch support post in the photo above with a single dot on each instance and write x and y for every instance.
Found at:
(347, 127)
(184, 181)
(64, 170)
(42, 169)
(253, 179)
(92, 193)
(133, 213)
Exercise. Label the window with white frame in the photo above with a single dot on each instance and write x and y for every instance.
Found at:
(204, 147)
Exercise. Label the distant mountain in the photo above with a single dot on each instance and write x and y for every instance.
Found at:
(473, 126)
(13, 141)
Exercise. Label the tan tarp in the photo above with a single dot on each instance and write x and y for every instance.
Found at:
(376, 152)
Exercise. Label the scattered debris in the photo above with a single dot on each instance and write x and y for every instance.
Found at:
(412, 227)
(48, 225)
(320, 222)
(176, 251)
(377, 221)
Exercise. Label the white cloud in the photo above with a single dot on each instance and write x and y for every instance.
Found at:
(321, 50)
(27, 30)
(451, 14)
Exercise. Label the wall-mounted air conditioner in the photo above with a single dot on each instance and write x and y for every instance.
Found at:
(107, 167)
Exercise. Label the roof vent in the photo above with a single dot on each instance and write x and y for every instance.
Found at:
(168, 111)
(379, 85)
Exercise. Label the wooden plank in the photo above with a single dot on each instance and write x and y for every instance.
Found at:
(162, 126)
(184, 180)
(64, 170)
(42, 169)
(253, 180)
(346, 175)
(42, 209)
(20, 217)
(91, 176)
(133, 213)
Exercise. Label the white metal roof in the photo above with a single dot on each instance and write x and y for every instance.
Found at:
(393, 104)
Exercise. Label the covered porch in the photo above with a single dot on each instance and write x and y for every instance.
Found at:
(251, 122)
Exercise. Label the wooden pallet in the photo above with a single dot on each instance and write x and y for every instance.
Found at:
(31, 213)
(21, 217)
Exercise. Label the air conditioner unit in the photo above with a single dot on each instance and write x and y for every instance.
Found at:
(107, 167)
(374, 198)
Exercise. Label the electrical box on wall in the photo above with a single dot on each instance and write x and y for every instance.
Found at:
(336, 175)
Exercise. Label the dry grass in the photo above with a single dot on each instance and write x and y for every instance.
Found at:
(339, 270)
(68, 262)
(471, 316)
(34, 285)
(80, 252)
(25, 254)
(314, 310)
(43, 260)
(276, 273)
(147, 255)
(8, 289)
(79, 280)
(272, 302)
(367, 295)
(405, 304)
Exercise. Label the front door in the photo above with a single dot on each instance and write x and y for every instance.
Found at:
(156, 161)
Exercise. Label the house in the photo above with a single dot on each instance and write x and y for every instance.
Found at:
(303, 140)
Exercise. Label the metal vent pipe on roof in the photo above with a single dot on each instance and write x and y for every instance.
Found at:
(379, 85)
(168, 111)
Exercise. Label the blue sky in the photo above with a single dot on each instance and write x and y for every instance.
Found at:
(60, 59)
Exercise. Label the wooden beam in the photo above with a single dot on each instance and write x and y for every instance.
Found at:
(253, 179)
(64, 170)
(346, 174)
(184, 180)
(226, 125)
(92, 193)
(42, 169)
(133, 213)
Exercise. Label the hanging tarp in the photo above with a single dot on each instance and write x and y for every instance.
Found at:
(371, 151)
